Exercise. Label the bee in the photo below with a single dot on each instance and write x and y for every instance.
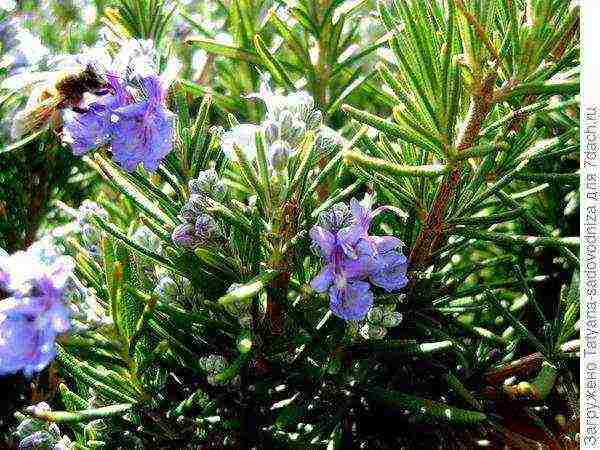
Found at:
(67, 91)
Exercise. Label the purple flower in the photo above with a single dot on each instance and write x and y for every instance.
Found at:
(140, 132)
(352, 256)
(349, 299)
(391, 271)
(143, 132)
(351, 302)
(35, 315)
(340, 267)
(88, 130)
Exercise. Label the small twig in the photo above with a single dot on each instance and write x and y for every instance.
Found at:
(478, 28)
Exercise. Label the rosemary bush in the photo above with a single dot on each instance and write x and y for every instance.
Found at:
(316, 224)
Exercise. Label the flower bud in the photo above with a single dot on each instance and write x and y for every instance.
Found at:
(193, 208)
(184, 235)
(271, 131)
(39, 439)
(328, 141)
(166, 289)
(296, 133)
(213, 365)
(279, 155)
(314, 120)
(205, 228)
(208, 183)
(286, 121)
(147, 239)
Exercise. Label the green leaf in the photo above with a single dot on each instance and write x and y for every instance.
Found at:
(248, 290)
(278, 71)
(228, 51)
(83, 415)
(379, 165)
(427, 410)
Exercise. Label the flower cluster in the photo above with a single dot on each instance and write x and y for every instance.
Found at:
(24, 50)
(130, 114)
(87, 312)
(35, 433)
(355, 260)
(135, 122)
(199, 228)
(176, 291)
(215, 365)
(35, 313)
(287, 121)
(379, 319)
(90, 236)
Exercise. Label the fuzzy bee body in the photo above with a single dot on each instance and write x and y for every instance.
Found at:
(66, 92)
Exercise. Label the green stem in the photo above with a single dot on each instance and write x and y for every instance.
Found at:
(83, 415)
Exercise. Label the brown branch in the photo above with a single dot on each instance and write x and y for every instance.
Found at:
(431, 237)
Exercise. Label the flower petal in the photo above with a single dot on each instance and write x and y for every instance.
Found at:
(391, 274)
(323, 280)
(385, 244)
(352, 302)
(324, 239)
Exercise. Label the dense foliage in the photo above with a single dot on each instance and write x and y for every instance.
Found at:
(307, 224)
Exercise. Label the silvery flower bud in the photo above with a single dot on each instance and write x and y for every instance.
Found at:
(286, 120)
(271, 131)
(279, 154)
(64, 444)
(88, 207)
(328, 141)
(147, 239)
(90, 236)
(166, 289)
(240, 310)
(302, 104)
(208, 183)
(28, 427)
(184, 235)
(195, 206)
(213, 365)
(205, 228)
(296, 133)
(314, 120)
(37, 440)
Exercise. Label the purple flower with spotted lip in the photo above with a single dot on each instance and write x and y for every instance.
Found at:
(143, 132)
(342, 266)
(353, 256)
(32, 318)
(351, 302)
(140, 132)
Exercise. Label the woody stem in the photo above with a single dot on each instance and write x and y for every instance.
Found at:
(431, 236)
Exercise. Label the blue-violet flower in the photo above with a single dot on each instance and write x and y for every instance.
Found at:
(34, 315)
(352, 257)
